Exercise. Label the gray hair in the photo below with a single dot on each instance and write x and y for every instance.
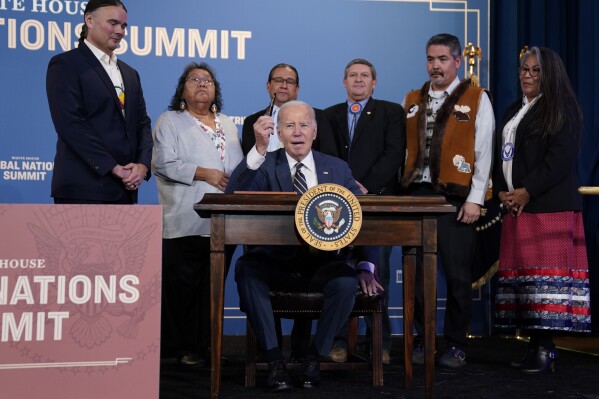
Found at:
(360, 61)
(297, 103)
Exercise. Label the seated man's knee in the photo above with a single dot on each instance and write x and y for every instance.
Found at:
(245, 269)
(344, 285)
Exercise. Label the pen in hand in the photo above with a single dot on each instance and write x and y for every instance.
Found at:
(271, 107)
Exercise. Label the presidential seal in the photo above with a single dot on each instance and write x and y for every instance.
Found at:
(328, 217)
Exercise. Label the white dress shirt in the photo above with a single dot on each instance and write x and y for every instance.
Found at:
(254, 160)
(110, 66)
(309, 169)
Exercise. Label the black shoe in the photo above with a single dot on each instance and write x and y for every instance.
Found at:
(278, 378)
(311, 374)
(542, 361)
(453, 358)
(530, 352)
(418, 353)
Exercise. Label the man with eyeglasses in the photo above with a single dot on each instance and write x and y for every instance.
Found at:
(369, 134)
(96, 102)
(282, 86)
(449, 127)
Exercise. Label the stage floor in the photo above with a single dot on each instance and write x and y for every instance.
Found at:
(487, 375)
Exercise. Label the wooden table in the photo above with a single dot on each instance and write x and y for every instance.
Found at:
(258, 219)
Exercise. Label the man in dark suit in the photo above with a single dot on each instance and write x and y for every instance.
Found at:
(104, 145)
(264, 268)
(369, 135)
(282, 86)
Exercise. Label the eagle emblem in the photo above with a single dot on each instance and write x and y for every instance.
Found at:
(88, 242)
(328, 217)
(461, 112)
(329, 213)
(412, 110)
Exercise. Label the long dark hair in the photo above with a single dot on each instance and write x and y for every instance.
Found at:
(558, 106)
(178, 96)
(92, 6)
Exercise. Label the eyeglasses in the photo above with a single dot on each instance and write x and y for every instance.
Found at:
(533, 72)
(280, 81)
(199, 81)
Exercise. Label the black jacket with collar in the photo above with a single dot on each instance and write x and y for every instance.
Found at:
(547, 168)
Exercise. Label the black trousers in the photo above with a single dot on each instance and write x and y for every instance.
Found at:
(456, 248)
(185, 321)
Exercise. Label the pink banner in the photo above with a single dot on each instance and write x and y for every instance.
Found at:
(80, 301)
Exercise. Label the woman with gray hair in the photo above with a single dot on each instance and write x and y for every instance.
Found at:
(195, 149)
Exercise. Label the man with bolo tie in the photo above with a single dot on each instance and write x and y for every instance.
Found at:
(369, 134)
(296, 167)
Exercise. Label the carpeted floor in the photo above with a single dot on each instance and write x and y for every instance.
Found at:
(487, 376)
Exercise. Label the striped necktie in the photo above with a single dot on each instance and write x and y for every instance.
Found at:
(299, 180)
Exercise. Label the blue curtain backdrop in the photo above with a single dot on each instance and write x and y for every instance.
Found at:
(568, 27)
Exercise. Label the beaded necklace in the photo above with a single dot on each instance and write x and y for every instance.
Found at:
(217, 136)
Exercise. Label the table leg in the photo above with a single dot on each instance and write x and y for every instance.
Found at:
(429, 247)
(430, 299)
(217, 301)
(409, 280)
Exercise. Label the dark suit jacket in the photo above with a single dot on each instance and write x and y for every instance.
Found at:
(93, 134)
(274, 175)
(378, 148)
(248, 139)
(546, 168)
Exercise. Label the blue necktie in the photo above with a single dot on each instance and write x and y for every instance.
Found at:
(352, 127)
(354, 111)
(300, 185)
